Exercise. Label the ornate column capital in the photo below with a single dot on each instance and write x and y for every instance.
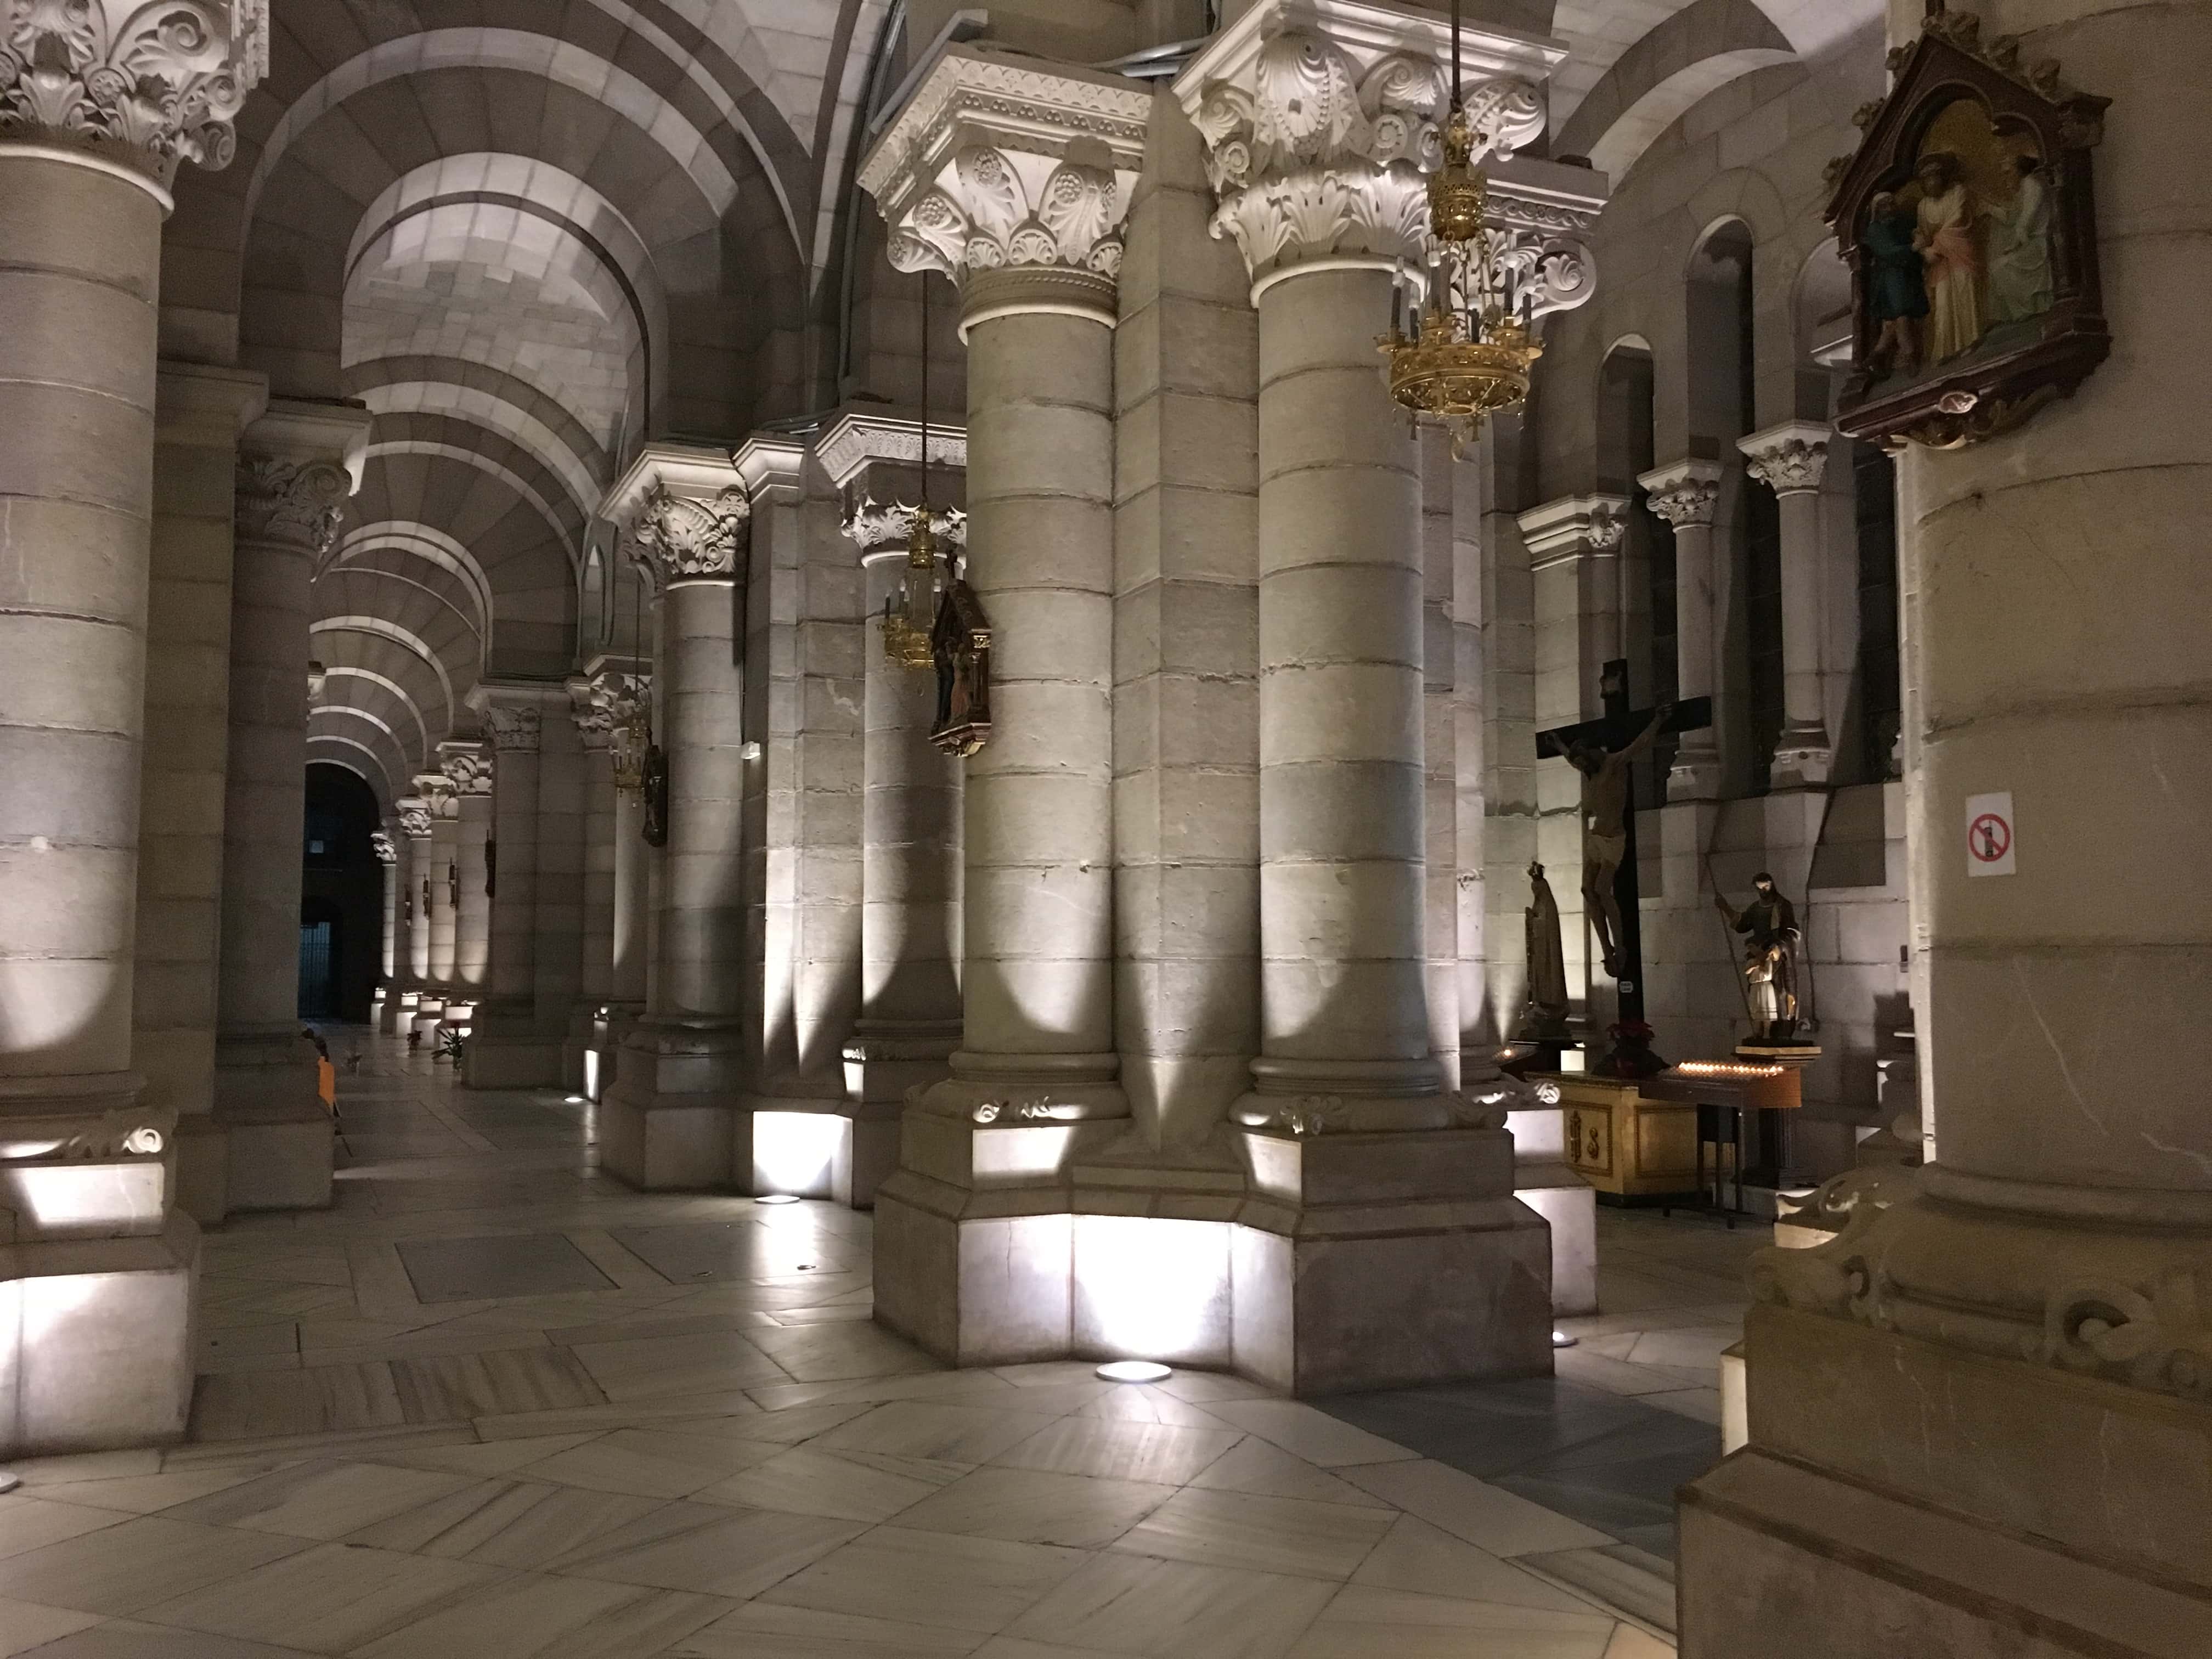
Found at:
(873, 457)
(1321, 118)
(881, 529)
(148, 86)
(684, 513)
(1013, 177)
(380, 843)
(620, 702)
(297, 465)
(514, 727)
(437, 790)
(1574, 527)
(465, 766)
(414, 816)
(1684, 494)
(1790, 458)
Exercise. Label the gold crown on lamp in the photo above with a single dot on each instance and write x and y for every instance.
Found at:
(1468, 361)
(907, 630)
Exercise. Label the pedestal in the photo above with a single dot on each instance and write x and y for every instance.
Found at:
(668, 1124)
(1545, 1181)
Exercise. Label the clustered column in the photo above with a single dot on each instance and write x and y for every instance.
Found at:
(294, 477)
(1686, 495)
(1790, 459)
(669, 1121)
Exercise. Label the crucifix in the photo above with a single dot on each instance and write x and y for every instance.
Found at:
(1602, 751)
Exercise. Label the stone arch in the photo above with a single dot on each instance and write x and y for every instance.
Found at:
(371, 772)
(380, 690)
(1680, 62)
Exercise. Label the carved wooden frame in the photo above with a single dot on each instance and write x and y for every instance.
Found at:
(1972, 398)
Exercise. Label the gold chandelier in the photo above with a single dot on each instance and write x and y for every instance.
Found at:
(910, 616)
(1471, 348)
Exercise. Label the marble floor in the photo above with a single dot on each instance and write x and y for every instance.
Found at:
(491, 1404)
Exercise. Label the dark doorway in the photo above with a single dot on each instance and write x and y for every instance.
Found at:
(341, 896)
(319, 960)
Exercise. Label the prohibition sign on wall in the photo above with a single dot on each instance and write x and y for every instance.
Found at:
(1990, 840)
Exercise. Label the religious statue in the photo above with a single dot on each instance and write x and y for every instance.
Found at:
(1605, 827)
(1946, 240)
(960, 645)
(1770, 946)
(1547, 1019)
(2020, 247)
(1896, 293)
(653, 786)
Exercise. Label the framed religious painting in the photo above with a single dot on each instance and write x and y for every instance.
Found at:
(1968, 219)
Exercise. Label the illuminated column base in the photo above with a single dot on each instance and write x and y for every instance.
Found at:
(667, 1125)
(429, 1009)
(1543, 1180)
(398, 1015)
(505, 1051)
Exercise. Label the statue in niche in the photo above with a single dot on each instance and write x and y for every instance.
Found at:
(960, 645)
(1897, 287)
(1772, 944)
(1547, 1019)
(1946, 237)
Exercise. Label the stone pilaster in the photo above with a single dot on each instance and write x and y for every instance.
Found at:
(410, 936)
(623, 688)
(1790, 459)
(509, 1046)
(669, 1121)
(99, 103)
(1350, 1115)
(438, 894)
(1980, 1414)
(1574, 554)
(466, 764)
(388, 859)
(909, 1023)
(1687, 494)
(1013, 177)
(297, 466)
(587, 1033)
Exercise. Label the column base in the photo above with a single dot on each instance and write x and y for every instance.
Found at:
(888, 1058)
(202, 1168)
(585, 1036)
(428, 1011)
(842, 1151)
(279, 1139)
(670, 1122)
(398, 1013)
(1802, 760)
(1546, 1184)
(111, 1364)
(1389, 1260)
(506, 1050)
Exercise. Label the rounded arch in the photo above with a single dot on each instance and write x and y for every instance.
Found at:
(339, 752)
(379, 628)
(390, 688)
(1677, 64)
(435, 547)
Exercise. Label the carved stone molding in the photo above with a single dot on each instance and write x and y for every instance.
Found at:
(1004, 165)
(1790, 458)
(684, 538)
(513, 727)
(1321, 118)
(1573, 527)
(877, 526)
(297, 504)
(414, 817)
(381, 844)
(1687, 494)
(150, 86)
(859, 440)
(467, 772)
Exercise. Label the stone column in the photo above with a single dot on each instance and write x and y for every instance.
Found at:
(467, 765)
(1687, 494)
(909, 1019)
(297, 467)
(436, 894)
(200, 411)
(411, 831)
(1982, 1415)
(98, 104)
(1346, 1275)
(669, 1121)
(587, 1033)
(508, 1048)
(1016, 186)
(387, 857)
(626, 693)
(1790, 459)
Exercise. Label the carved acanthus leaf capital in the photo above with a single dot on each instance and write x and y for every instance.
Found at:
(1789, 460)
(513, 727)
(148, 85)
(874, 526)
(415, 819)
(688, 538)
(1687, 494)
(380, 843)
(293, 504)
(467, 773)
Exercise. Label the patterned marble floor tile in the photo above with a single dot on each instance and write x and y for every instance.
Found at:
(928, 1578)
(739, 1553)
(1157, 1452)
(1253, 1466)
(1428, 1561)
(28, 1523)
(759, 1631)
(1377, 1624)
(1031, 1506)
(498, 1457)
(719, 1406)
(258, 1404)
(649, 1462)
(1266, 1535)
(24, 1625)
(129, 1567)
(319, 1500)
(473, 1269)
(829, 1353)
(947, 1434)
(1169, 1609)
(848, 1485)
(1303, 1432)
(1483, 1515)
(643, 1368)
(447, 1387)
(127, 1638)
(509, 1524)
(538, 1616)
(145, 1494)
(334, 1598)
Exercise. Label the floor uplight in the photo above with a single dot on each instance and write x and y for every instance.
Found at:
(1134, 1370)
(777, 1198)
(1561, 1340)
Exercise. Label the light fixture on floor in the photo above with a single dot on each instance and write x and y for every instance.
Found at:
(1134, 1370)
(573, 1100)
(1561, 1340)
(777, 1198)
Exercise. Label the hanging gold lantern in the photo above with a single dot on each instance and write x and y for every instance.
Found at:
(911, 616)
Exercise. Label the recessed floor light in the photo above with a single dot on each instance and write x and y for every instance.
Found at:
(573, 1100)
(1561, 1340)
(777, 1198)
(1134, 1370)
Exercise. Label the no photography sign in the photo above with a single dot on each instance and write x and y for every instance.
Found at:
(1990, 840)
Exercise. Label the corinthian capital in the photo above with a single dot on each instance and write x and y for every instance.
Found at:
(1013, 177)
(1321, 118)
(1685, 495)
(1790, 458)
(297, 465)
(465, 768)
(380, 843)
(685, 511)
(148, 85)
(414, 816)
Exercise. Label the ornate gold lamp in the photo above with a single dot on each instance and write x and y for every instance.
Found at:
(911, 616)
(1473, 344)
